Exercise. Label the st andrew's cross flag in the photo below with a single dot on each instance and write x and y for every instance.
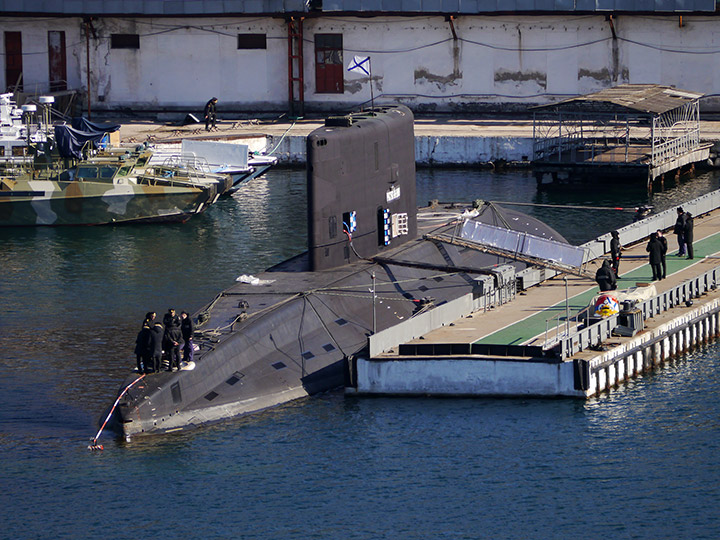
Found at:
(360, 64)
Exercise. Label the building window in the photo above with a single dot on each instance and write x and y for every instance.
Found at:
(13, 62)
(252, 41)
(329, 64)
(57, 60)
(125, 41)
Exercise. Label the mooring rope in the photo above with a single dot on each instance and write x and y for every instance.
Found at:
(94, 445)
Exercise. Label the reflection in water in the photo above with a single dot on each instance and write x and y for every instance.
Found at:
(327, 467)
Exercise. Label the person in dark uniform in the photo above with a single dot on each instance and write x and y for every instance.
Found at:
(654, 248)
(156, 346)
(615, 249)
(679, 230)
(689, 226)
(172, 342)
(663, 242)
(142, 348)
(171, 319)
(605, 277)
(187, 329)
(210, 114)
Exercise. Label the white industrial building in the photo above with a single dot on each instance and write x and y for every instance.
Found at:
(286, 55)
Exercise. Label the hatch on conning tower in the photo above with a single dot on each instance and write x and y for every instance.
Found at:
(361, 186)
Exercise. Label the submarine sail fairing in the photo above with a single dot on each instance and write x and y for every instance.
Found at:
(291, 332)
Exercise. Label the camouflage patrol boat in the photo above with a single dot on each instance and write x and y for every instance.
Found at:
(114, 186)
(69, 175)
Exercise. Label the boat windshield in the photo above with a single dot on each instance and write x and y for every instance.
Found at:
(124, 171)
(103, 172)
(107, 171)
(85, 173)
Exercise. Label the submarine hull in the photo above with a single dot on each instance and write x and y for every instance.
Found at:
(291, 333)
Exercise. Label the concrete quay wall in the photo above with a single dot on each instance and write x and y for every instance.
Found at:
(446, 150)
(495, 376)
(431, 151)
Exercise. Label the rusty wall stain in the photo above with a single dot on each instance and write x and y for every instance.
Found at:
(441, 80)
(503, 76)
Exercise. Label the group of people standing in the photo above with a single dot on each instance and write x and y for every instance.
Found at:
(157, 341)
(657, 249)
(684, 230)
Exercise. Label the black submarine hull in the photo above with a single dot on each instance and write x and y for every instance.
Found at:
(291, 333)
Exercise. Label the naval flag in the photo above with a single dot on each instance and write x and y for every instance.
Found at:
(360, 64)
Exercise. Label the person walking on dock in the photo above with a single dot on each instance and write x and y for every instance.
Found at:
(689, 226)
(654, 248)
(663, 242)
(605, 277)
(679, 230)
(615, 249)
(210, 114)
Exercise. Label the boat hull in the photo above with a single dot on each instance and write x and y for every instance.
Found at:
(54, 203)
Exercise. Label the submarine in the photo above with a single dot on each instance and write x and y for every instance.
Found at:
(371, 263)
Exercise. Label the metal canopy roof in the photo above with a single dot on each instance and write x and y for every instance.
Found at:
(642, 98)
(248, 7)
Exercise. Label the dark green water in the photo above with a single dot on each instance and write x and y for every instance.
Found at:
(638, 463)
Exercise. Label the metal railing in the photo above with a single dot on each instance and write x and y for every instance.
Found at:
(669, 150)
(595, 334)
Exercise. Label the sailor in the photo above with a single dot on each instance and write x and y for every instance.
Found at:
(615, 249)
(605, 277)
(654, 248)
(210, 114)
(663, 242)
(679, 230)
(688, 231)
(186, 326)
(172, 342)
(142, 348)
(171, 319)
(156, 346)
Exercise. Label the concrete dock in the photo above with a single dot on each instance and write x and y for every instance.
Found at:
(439, 140)
(527, 347)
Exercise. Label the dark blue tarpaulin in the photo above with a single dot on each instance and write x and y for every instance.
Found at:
(83, 124)
(71, 141)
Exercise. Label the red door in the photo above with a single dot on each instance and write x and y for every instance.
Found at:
(329, 64)
(13, 61)
(57, 60)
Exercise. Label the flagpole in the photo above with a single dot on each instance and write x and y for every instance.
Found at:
(372, 99)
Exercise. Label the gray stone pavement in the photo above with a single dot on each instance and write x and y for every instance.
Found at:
(440, 126)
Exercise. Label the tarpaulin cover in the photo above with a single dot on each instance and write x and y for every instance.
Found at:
(83, 124)
(70, 141)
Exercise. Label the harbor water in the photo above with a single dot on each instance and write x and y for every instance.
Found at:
(640, 462)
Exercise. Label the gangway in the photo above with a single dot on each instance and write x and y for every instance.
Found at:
(519, 246)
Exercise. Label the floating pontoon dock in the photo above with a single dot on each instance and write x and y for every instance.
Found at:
(537, 345)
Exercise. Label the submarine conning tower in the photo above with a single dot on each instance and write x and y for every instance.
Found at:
(360, 185)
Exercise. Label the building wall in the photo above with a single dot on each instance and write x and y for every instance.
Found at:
(504, 62)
